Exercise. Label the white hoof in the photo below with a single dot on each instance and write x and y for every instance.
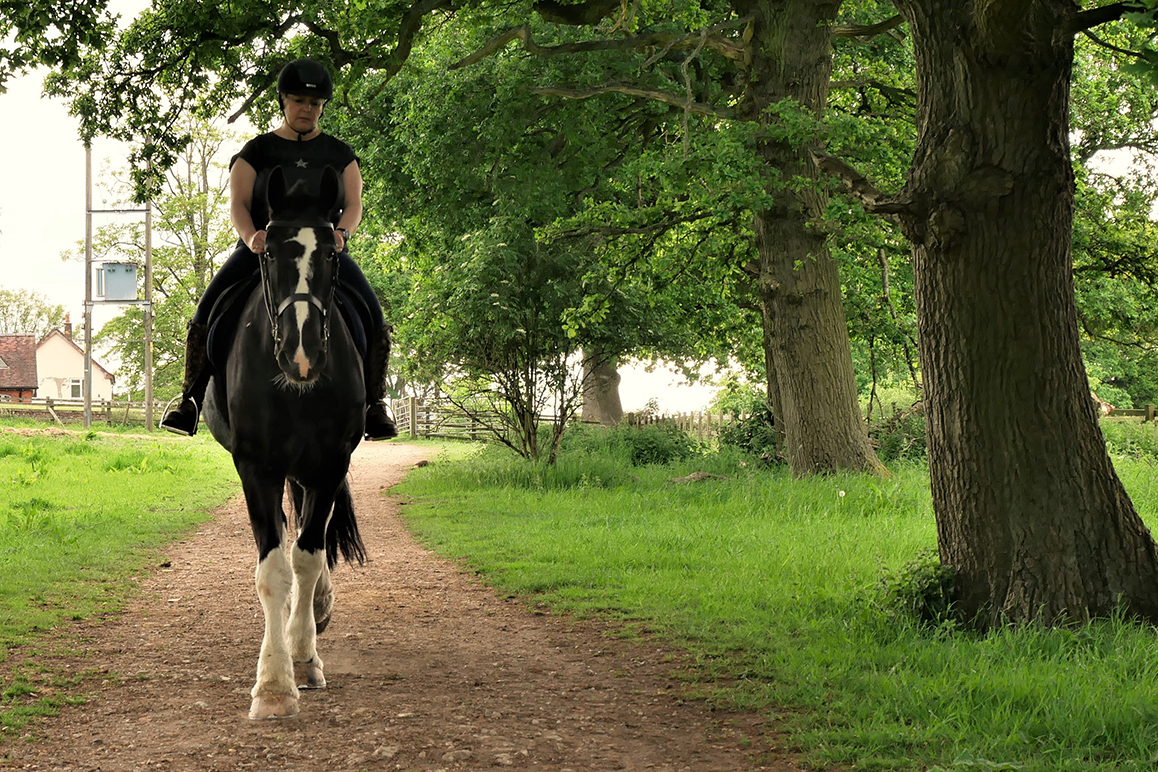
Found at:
(273, 706)
(314, 678)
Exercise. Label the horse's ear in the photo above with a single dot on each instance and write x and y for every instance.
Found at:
(331, 189)
(275, 191)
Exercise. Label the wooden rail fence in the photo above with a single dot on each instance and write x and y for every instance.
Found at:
(417, 417)
(1146, 413)
(71, 411)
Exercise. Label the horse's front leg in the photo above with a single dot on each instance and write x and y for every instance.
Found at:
(313, 594)
(309, 567)
(274, 693)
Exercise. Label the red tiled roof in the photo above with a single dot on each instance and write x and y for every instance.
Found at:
(18, 362)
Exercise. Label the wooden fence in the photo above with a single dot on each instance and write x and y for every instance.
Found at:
(1146, 413)
(703, 426)
(416, 417)
(71, 411)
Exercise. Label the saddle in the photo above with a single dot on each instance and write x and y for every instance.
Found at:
(226, 314)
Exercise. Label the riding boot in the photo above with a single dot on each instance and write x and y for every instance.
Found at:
(183, 419)
(379, 424)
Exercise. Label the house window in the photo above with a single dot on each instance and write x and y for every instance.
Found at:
(75, 392)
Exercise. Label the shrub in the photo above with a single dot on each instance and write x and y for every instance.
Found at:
(658, 444)
(1131, 438)
(901, 435)
(754, 435)
(922, 590)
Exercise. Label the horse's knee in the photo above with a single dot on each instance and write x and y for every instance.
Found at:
(273, 578)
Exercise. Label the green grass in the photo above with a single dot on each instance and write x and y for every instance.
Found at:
(80, 513)
(775, 585)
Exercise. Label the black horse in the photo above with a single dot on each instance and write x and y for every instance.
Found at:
(289, 403)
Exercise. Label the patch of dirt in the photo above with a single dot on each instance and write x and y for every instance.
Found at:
(427, 669)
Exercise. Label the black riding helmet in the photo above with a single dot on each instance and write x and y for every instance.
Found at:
(305, 77)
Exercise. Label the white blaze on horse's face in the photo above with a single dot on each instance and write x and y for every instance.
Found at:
(309, 241)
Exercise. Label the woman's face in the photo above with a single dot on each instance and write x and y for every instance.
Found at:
(302, 113)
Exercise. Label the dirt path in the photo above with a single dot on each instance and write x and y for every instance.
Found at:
(428, 670)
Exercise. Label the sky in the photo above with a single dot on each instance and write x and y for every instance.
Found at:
(42, 216)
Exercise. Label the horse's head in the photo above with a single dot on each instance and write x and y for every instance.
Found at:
(298, 272)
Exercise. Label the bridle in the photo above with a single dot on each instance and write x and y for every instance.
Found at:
(275, 310)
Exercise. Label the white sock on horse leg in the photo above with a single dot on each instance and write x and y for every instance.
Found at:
(274, 580)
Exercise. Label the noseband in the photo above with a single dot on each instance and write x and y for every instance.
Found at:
(275, 309)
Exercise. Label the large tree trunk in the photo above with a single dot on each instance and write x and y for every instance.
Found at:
(601, 402)
(1030, 512)
(814, 393)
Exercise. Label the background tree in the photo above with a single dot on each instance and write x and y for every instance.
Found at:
(721, 62)
(483, 183)
(50, 33)
(28, 313)
(1114, 120)
(192, 235)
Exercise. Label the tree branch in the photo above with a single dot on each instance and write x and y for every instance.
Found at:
(868, 31)
(1111, 46)
(576, 14)
(655, 228)
(892, 93)
(875, 202)
(716, 42)
(408, 30)
(1084, 20)
(699, 108)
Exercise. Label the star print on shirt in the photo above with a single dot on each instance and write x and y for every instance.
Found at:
(301, 164)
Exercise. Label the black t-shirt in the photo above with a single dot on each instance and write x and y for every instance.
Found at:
(304, 160)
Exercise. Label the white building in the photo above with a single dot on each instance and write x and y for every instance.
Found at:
(60, 368)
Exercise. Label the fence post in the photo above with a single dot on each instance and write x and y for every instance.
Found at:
(413, 410)
(1149, 413)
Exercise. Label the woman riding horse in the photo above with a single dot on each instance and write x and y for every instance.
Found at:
(303, 152)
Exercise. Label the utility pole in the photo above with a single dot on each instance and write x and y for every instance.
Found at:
(87, 284)
(88, 294)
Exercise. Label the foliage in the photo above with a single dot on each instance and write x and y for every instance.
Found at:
(48, 32)
(921, 590)
(896, 423)
(754, 434)
(1131, 438)
(657, 444)
(28, 313)
(1115, 270)
(191, 236)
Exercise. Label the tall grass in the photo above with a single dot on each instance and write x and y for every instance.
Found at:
(775, 585)
(79, 514)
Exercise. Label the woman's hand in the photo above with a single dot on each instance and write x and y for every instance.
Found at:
(257, 242)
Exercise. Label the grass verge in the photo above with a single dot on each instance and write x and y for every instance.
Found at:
(80, 513)
(775, 585)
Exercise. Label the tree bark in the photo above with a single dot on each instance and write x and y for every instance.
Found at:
(814, 392)
(1030, 513)
(601, 402)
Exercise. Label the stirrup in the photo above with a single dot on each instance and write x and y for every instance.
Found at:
(176, 421)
